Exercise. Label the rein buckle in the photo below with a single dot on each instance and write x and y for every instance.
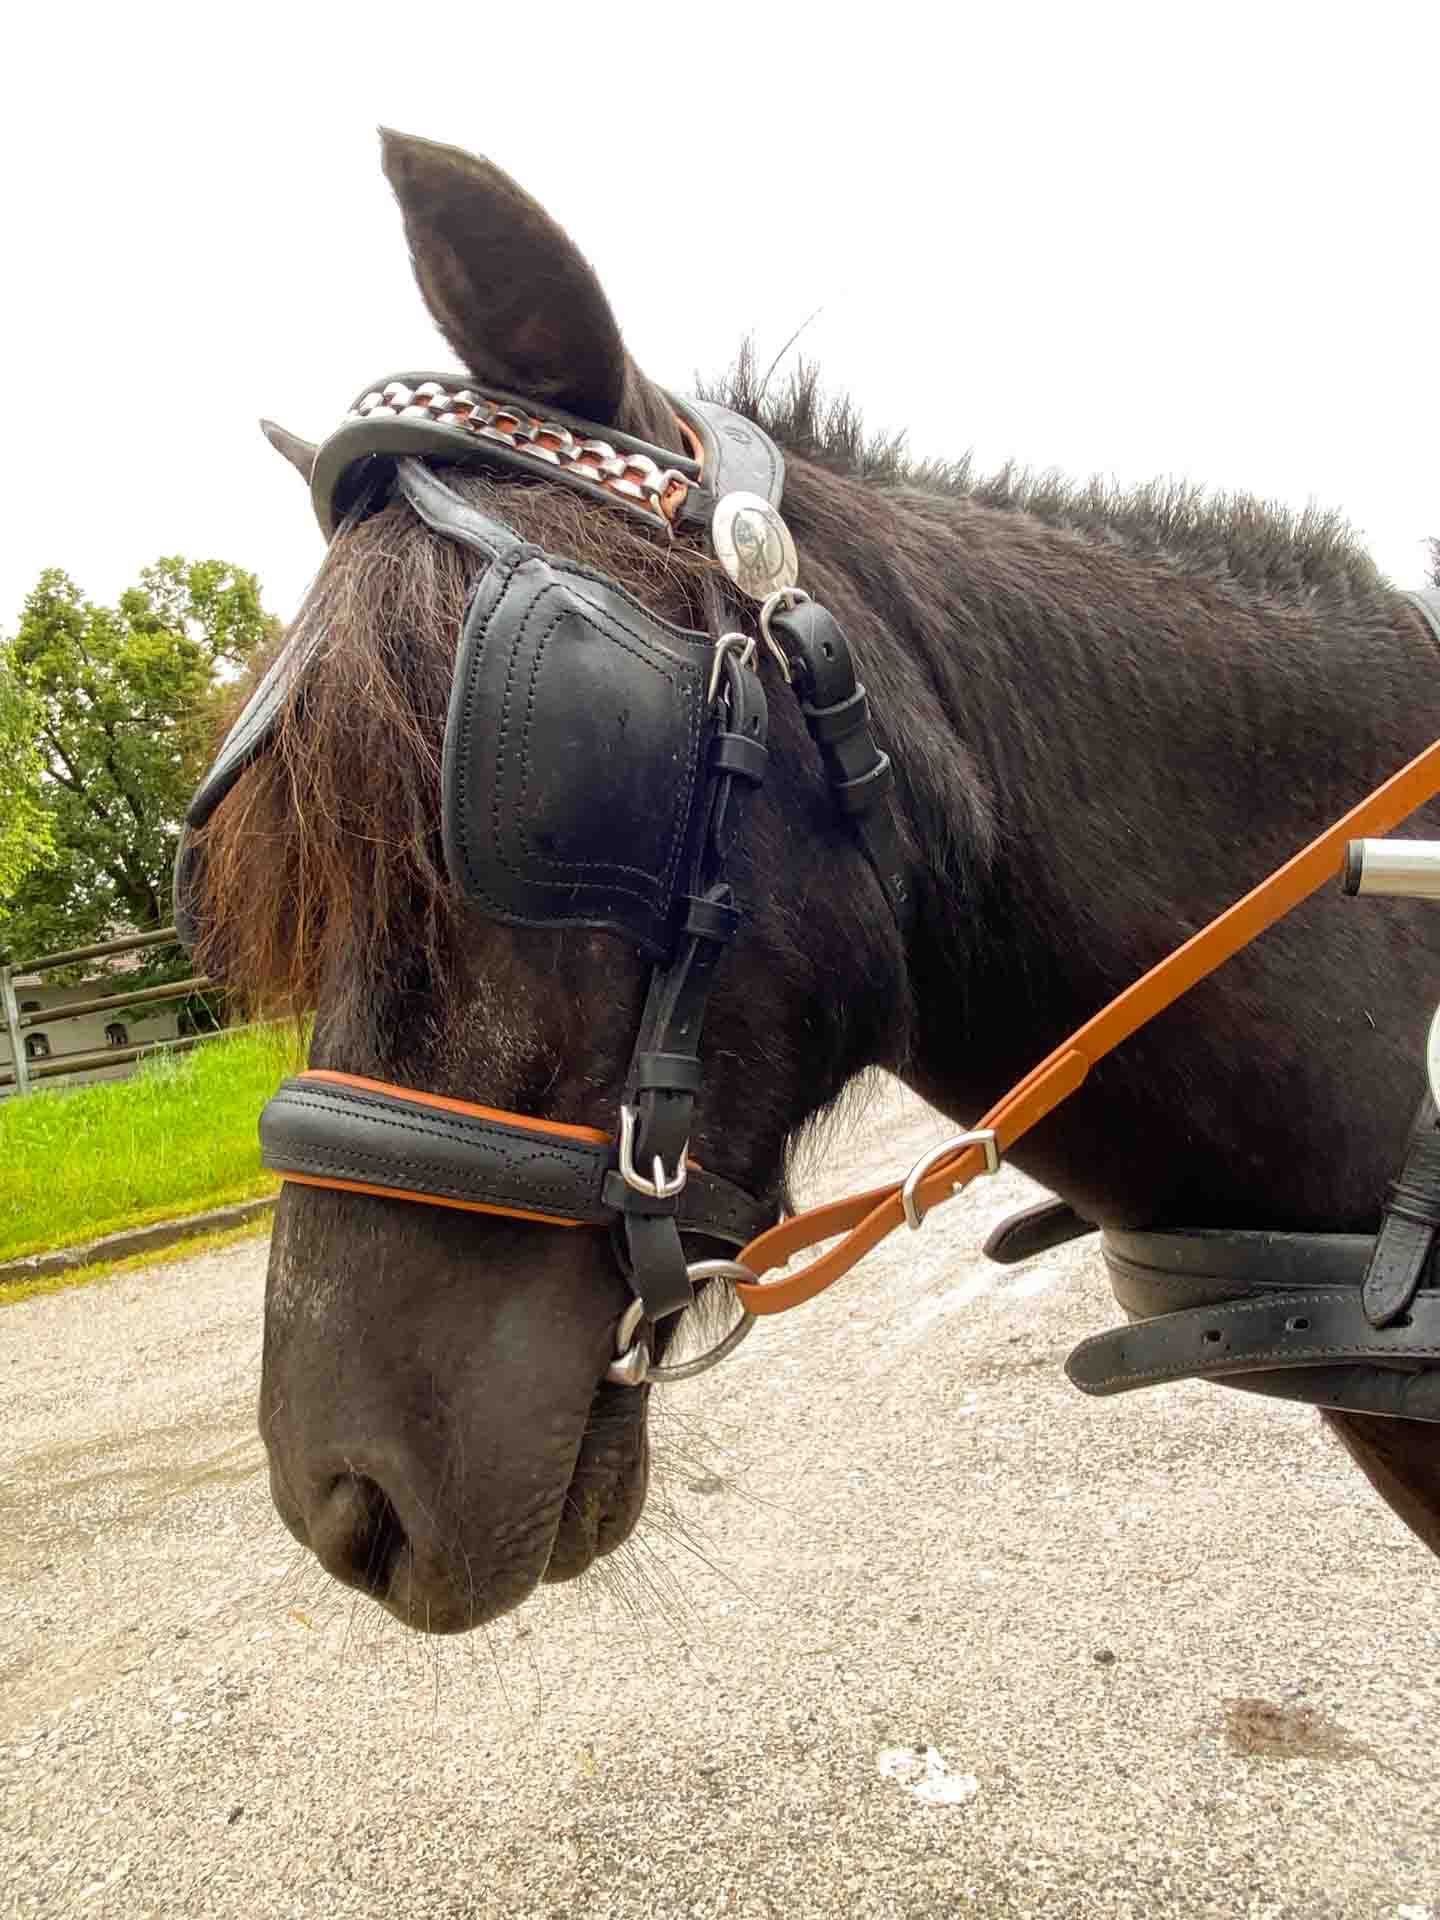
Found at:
(981, 1137)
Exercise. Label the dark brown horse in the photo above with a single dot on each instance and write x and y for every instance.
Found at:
(1109, 715)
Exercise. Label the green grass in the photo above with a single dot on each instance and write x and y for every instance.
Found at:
(177, 1137)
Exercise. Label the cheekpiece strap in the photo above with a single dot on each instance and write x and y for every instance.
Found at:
(664, 1075)
(837, 713)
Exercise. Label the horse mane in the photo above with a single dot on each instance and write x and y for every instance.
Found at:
(1256, 543)
(324, 867)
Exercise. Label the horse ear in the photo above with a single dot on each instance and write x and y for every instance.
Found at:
(509, 290)
(300, 453)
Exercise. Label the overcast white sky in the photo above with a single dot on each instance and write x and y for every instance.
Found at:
(1136, 240)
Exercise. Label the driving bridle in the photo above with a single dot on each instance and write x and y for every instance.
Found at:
(596, 764)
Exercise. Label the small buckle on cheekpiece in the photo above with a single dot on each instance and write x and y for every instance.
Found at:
(981, 1137)
(663, 1186)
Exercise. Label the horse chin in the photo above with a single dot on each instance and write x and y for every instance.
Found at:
(596, 1514)
(607, 1491)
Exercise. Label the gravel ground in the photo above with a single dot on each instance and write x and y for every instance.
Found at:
(912, 1629)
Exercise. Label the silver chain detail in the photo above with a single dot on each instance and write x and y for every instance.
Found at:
(633, 475)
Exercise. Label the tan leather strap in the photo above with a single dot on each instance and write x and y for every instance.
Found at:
(866, 1218)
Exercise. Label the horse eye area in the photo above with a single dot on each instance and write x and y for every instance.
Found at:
(357, 1535)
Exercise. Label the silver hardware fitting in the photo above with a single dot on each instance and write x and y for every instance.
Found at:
(744, 643)
(635, 476)
(631, 1366)
(661, 1185)
(981, 1137)
(781, 600)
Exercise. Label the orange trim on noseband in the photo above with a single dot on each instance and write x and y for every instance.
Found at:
(435, 1199)
(561, 1129)
(564, 1128)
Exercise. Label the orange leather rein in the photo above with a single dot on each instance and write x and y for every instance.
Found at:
(865, 1219)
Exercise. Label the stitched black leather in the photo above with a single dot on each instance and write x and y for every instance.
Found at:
(739, 457)
(674, 1012)
(1314, 1327)
(1272, 1313)
(572, 752)
(329, 1131)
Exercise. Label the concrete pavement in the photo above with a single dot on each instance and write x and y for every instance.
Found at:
(911, 1629)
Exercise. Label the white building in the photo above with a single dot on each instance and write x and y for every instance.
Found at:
(88, 1033)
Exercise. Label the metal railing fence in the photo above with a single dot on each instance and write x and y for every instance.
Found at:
(23, 1070)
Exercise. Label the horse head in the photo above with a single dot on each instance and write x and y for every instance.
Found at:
(494, 944)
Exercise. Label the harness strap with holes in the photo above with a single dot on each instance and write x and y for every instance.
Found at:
(866, 1219)
(1275, 1313)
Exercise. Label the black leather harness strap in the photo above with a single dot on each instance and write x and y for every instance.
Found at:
(1037, 1229)
(1248, 1309)
(664, 1074)
(1409, 1222)
(837, 713)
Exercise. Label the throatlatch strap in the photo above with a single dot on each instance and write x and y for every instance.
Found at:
(865, 1219)
(1409, 1222)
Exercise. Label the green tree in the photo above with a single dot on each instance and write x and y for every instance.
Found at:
(25, 832)
(114, 710)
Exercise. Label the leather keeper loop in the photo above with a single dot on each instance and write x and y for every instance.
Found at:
(616, 1192)
(709, 920)
(670, 1072)
(829, 724)
(860, 795)
(736, 753)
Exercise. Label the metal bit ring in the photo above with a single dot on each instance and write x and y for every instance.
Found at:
(631, 1366)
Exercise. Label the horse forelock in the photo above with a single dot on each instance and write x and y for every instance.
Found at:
(324, 869)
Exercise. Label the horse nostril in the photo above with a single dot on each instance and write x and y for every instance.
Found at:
(356, 1534)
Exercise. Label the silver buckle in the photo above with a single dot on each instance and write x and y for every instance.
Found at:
(661, 1186)
(631, 1366)
(728, 643)
(785, 597)
(981, 1137)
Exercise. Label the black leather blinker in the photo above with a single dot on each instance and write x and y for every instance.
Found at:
(573, 753)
